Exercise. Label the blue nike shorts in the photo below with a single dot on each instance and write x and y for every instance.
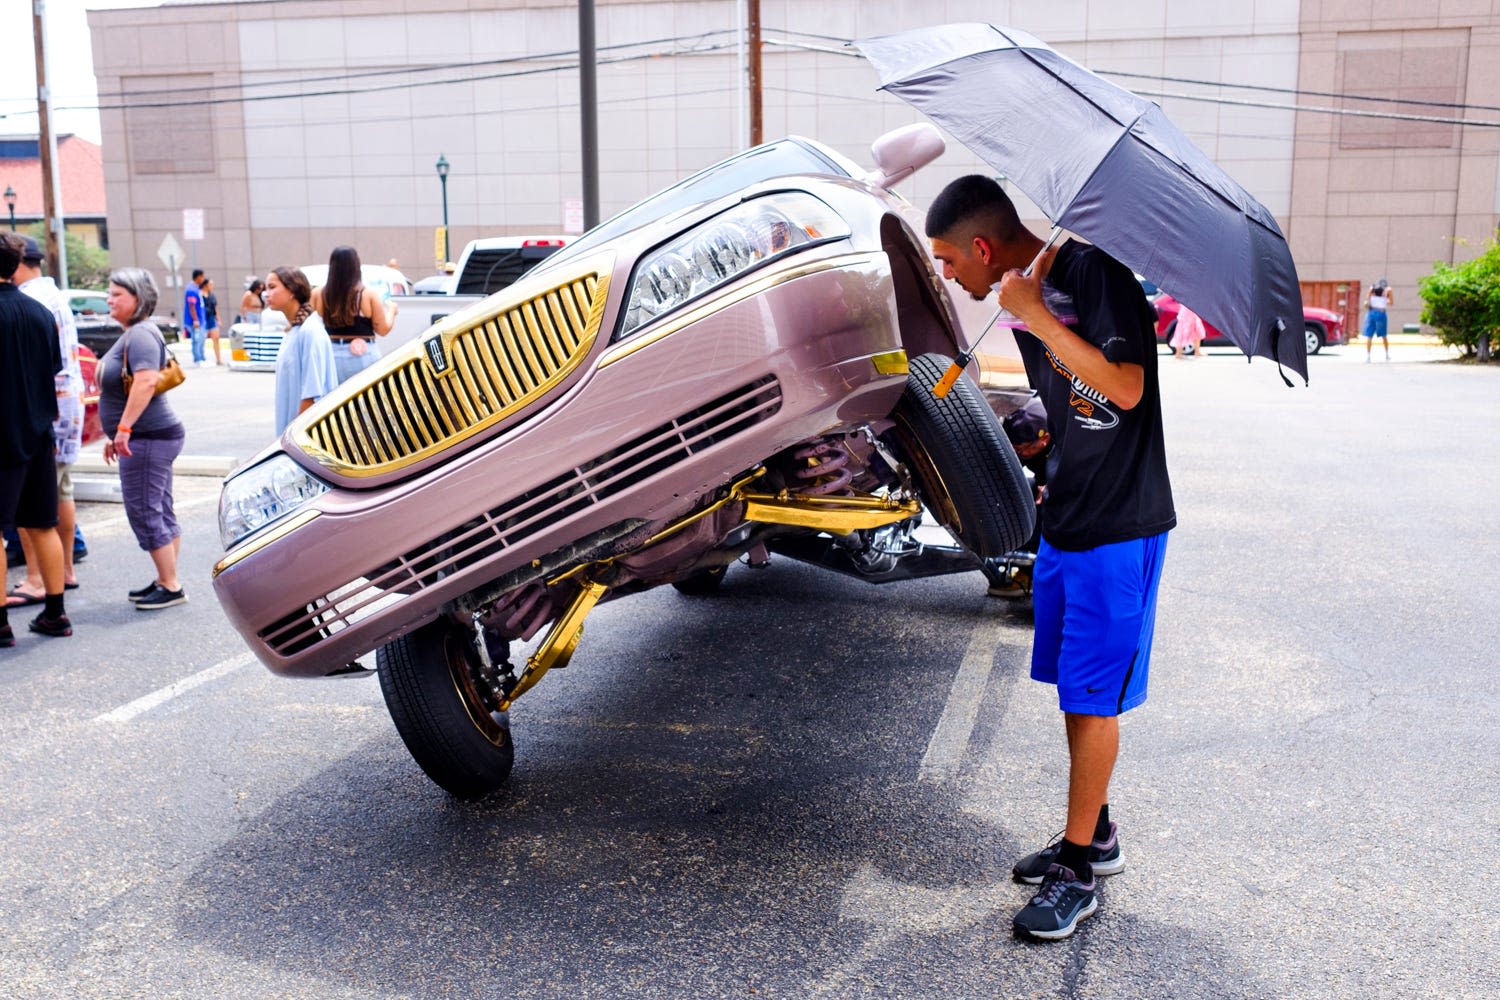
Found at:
(1095, 615)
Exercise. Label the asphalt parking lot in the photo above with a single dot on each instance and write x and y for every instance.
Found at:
(812, 787)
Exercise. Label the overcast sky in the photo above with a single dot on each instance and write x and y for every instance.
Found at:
(70, 62)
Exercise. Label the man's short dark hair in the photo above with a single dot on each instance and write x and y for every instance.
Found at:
(197, 274)
(11, 249)
(971, 206)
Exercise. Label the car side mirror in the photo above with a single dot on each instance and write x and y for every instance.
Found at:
(902, 152)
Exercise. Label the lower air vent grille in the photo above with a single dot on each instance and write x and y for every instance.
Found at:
(519, 518)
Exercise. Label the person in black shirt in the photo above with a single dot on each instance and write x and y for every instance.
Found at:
(1105, 513)
(30, 359)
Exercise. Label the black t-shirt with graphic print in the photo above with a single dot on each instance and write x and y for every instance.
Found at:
(1107, 472)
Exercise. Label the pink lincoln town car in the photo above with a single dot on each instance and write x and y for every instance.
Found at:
(734, 369)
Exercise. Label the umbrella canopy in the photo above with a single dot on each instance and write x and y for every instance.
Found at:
(1109, 166)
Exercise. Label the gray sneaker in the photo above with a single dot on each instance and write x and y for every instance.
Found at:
(1055, 910)
(1104, 858)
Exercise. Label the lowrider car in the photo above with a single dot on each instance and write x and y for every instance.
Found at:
(735, 369)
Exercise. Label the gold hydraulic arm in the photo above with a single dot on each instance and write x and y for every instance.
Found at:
(837, 515)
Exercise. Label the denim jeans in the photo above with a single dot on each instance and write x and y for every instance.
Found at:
(199, 336)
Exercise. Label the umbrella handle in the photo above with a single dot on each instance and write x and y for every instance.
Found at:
(1052, 239)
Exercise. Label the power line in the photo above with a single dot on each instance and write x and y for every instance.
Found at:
(700, 45)
(1266, 88)
(1314, 109)
(1301, 92)
(130, 105)
(386, 72)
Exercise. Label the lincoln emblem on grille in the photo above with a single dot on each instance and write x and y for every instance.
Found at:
(436, 355)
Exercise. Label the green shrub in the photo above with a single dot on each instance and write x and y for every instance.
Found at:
(1462, 301)
(88, 267)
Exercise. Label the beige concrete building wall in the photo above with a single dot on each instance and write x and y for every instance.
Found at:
(284, 180)
(1380, 198)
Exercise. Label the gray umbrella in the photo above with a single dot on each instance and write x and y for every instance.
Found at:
(1109, 166)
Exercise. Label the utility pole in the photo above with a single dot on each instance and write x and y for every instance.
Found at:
(756, 137)
(57, 252)
(588, 107)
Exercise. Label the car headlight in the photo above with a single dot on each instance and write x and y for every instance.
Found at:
(723, 248)
(266, 493)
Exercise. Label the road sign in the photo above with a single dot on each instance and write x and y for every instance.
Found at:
(573, 216)
(192, 223)
(440, 244)
(170, 253)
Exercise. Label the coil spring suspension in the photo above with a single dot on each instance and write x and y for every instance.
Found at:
(823, 468)
(521, 613)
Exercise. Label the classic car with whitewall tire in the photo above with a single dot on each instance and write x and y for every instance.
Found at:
(734, 370)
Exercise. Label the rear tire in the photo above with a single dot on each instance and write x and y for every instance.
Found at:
(431, 686)
(965, 470)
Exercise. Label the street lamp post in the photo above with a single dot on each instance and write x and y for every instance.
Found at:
(10, 203)
(442, 172)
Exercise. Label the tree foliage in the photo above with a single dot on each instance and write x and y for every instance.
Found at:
(88, 267)
(1462, 301)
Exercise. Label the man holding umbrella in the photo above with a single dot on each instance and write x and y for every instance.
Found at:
(1104, 516)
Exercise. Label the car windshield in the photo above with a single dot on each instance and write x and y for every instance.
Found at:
(776, 159)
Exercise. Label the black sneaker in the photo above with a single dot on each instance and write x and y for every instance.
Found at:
(59, 627)
(80, 553)
(7, 637)
(142, 592)
(1059, 904)
(1104, 858)
(160, 597)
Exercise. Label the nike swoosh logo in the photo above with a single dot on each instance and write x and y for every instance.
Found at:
(1093, 690)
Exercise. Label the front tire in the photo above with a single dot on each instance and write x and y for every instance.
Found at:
(1314, 335)
(442, 710)
(965, 471)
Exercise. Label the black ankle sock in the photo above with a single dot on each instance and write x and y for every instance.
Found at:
(1076, 857)
(1101, 828)
(52, 606)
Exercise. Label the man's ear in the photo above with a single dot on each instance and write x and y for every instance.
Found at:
(983, 250)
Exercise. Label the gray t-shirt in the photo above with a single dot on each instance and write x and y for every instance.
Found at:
(147, 351)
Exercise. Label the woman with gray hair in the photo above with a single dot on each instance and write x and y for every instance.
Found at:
(147, 434)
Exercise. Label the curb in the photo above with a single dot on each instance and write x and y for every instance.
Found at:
(186, 465)
(95, 482)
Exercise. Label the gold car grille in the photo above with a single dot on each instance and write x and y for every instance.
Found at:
(471, 371)
(520, 518)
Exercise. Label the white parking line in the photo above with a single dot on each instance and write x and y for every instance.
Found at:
(146, 703)
(945, 749)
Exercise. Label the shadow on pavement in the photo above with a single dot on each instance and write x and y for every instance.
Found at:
(733, 808)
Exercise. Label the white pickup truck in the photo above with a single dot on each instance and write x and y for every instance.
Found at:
(485, 267)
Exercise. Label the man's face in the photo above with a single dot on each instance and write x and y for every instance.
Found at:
(963, 266)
